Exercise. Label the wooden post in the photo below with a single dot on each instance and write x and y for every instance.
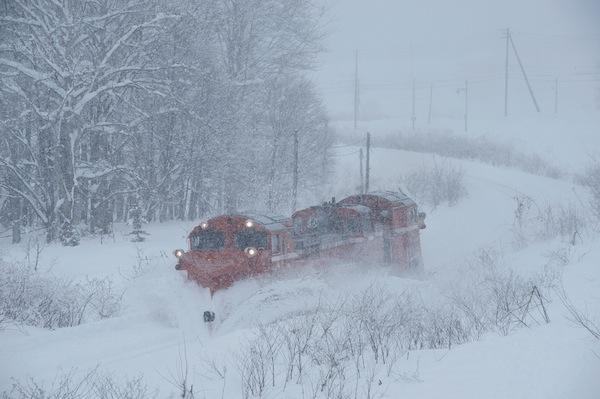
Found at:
(556, 96)
(506, 74)
(368, 168)
(295, 181)
(413, 115)
(362, 179)
(430, 103)
(466, 105)
(356, 91)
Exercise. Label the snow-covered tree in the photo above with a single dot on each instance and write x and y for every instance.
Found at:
(171, 99)
(68, 68)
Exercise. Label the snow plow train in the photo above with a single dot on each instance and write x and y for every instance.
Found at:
(377, 227)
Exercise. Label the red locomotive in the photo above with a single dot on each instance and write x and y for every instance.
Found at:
(379, 226)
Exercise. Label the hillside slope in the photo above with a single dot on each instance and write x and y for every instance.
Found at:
(160, 323)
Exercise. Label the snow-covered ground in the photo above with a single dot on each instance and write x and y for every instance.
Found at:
(160, 322)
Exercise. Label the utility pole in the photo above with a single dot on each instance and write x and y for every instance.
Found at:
(524, 74)
(414, 116)
(295, 181)
(368, 168)
(466, 90)
(556, 96)
(506, 74)
(356, 91)
(466, 104)
(430, 103)
(362, 179)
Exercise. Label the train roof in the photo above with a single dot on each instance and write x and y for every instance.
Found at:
(389, 198)
(269, 222)
(359, 208)
(395, 196)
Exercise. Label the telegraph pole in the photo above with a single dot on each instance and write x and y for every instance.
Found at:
(414, 116)
(524, 74)
(506, 74)
(368, 168)
(466, 104)
(430, 103)
(362, 180)
(556, 96)
(356, 90)
(295, 181)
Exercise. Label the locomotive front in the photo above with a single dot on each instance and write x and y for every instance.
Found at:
(225, 249)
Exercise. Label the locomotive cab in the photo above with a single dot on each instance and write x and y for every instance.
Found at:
(230, 247)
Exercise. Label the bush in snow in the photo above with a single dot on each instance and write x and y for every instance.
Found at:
(348, 349)
(90, 385)
(105, 299)
(29, 297)
(493, 297)
(440, 183)
(578, 317)
(591, 179)
(534, 222)
(474, 148)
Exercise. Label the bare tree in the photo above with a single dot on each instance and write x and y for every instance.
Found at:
(161, 105)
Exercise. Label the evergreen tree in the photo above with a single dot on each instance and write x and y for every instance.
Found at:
(136, 218)
(69, 236)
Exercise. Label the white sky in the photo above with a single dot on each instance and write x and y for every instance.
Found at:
(446, 42)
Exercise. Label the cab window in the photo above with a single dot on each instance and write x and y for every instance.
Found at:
(276, 246)
(206, 240)
(251, 238)
(297, 226)
(354, 225)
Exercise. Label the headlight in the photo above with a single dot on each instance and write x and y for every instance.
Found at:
(249, 223)
(178, 253)
(203, 225)
(250, 251)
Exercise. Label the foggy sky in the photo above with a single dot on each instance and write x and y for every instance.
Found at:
(445, 42)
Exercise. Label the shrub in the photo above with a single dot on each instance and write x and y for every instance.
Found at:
(534, 222)
(495, 298)
(90, 385)
(591, 179)
(440, 183)
(29, 297)
(365, 334)
(473, 148)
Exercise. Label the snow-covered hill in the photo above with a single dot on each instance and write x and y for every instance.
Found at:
(159, 327)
